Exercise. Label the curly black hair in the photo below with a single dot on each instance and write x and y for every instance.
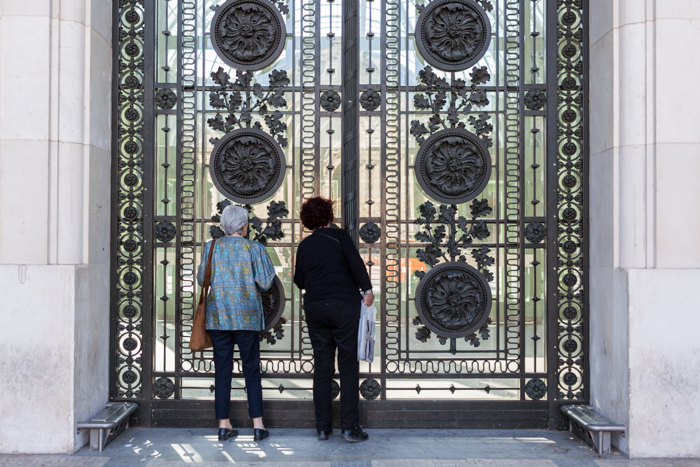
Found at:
(316, 212)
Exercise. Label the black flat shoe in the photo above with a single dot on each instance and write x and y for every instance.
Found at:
(355, 435)
(324, 434)
(226, 433)
(259, 435)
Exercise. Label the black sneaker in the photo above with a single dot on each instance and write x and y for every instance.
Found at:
(355, 435)
(324, 434)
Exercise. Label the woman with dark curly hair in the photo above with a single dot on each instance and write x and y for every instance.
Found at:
(330, 269)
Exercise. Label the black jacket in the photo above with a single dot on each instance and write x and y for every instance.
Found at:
(330, 267)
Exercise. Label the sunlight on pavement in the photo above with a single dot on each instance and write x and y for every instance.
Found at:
(187, 453)
(536, 440)
(283, 449)
(250, 447)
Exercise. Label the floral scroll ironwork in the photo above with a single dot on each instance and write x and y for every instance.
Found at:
(248, 165)
(453, 165)
(453, 299)
(570, 146)
(130, 268)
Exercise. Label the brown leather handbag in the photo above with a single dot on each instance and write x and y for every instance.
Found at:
(200, 338)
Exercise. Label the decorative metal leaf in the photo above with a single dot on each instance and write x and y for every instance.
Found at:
(229, 97)
(423, 334)
(433, 94)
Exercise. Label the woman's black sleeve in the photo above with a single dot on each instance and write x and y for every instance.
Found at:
(298, 274)
(357, 265)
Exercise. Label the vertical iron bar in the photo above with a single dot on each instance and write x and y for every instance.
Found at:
(147, 333)
(584, 203)
(551, 219)
(114, 224)
(351, 118)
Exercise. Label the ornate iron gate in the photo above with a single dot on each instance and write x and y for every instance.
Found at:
(451, 133)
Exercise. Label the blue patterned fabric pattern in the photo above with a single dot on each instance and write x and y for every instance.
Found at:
(239, 267)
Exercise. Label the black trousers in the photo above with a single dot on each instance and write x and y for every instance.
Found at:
(334, 324)
(249, 347)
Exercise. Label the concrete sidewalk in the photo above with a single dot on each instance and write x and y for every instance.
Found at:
(171, 447)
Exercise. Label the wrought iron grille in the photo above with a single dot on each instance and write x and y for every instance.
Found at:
(450, 133)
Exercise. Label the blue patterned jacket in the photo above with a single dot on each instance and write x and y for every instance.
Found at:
(239, 267)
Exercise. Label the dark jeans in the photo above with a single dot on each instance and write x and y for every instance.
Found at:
(249, 347)
(333, 324)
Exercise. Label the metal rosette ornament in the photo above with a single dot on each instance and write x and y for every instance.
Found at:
(453, 300)
(453, 166)
(248, 34)
(452, 35)
(247, 165)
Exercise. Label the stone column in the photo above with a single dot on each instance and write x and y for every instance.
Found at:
(645, 215)
(55, 139)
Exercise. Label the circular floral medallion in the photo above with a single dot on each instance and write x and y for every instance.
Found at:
(535, 232)
(163, 388)
(273, 303)
(370, 100)
(453, 300)
(535, 389)
(370, 389)
(248, 34)
(535, 99)
(247, 166)
(453, 166)
(330, 101)
(452, 35)
(370, 232)
(165, 231)
(165, 98)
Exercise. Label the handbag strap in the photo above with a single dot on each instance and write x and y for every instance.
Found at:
(328, 236)
(207, 273)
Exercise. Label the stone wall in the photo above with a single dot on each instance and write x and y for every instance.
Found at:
(645, 212)
(55, 139)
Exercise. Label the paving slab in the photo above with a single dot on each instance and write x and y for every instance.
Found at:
(178, 447)
(300, 445)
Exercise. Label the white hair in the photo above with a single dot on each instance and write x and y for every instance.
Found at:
(233, 219)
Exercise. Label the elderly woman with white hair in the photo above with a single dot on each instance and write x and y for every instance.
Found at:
(240, 269)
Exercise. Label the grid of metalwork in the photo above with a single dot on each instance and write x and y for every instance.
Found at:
(516, 354)
(165, 202)
(188, 199)
(571, 211)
